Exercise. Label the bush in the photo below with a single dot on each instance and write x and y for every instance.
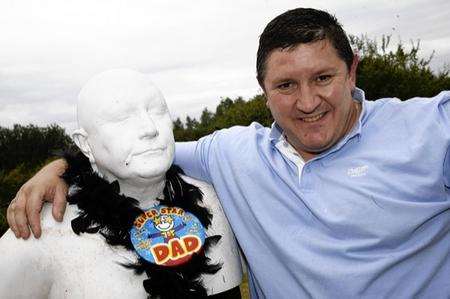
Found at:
(400, 73)
(23, 151)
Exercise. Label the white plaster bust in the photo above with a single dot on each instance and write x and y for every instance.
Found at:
(126, 132)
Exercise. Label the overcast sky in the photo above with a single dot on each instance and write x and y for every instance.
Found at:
(195, 51)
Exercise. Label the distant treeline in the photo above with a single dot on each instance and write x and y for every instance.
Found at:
(382, 73)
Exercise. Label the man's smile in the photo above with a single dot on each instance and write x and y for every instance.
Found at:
(314, 118)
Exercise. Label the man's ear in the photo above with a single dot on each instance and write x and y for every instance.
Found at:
(80, 136)
(352, 72)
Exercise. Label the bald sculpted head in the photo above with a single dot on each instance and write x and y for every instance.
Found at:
(124, 126)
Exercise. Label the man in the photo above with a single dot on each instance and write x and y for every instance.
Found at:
(341, 197)
(125, 131)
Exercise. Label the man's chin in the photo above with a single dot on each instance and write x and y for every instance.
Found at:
(316, 148)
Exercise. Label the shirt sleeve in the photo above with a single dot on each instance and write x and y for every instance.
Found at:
(444, 120)
(447, 169)
(193, 157)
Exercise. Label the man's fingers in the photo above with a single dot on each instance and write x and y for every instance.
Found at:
(10, 218)
(19, 215)
(59, 202)
(33, 209)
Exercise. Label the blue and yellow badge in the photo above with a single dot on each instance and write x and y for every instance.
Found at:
(167, 236)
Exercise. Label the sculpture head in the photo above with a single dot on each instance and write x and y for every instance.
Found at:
(124, 127)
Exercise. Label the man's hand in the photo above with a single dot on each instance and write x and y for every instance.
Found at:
(24, 209)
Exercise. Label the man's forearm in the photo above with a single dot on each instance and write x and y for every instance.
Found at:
(188, 157)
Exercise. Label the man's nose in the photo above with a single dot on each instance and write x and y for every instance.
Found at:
(148, 128)
(307, 100)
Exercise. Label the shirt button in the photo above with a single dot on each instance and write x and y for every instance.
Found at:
(308, 170)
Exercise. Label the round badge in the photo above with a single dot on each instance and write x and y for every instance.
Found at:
(167, 236)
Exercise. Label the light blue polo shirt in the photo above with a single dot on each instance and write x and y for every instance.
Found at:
(369, 218)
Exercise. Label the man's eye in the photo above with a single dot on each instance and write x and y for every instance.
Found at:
(285, 85)
(323, 78)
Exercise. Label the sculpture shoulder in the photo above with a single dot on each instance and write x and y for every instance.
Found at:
(57, 235)
(24, 263)
(226, 252)
(210, 199)
(33, 249)
(18, 249)
(36, 248)
(50, 225)
(205, 187)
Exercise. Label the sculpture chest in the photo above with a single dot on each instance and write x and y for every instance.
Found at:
(86, 267)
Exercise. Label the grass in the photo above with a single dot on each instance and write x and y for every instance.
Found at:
(244, 288)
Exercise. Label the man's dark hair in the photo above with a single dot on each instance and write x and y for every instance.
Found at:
(301, 26)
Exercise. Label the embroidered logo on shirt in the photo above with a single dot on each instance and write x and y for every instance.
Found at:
(357, 171)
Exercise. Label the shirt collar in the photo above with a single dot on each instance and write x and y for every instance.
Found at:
(275, 132)
(358, 95)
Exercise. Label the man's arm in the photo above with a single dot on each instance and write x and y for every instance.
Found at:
(192, 157)
(444, 120)
(46, 185)
(447, 169)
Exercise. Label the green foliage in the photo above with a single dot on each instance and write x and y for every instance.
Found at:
(228, 113)
(29, 145)
(23, 151)
(397, 73)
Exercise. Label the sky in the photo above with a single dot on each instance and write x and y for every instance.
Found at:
(197, 52)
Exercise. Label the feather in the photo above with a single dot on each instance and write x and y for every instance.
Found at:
(105, 211)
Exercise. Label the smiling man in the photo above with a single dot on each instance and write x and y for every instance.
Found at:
(315, 74)
(342, 197)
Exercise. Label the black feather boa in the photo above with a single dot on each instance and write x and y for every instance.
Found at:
(104, 210)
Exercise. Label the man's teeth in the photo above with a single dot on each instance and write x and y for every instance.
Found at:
(313, 119)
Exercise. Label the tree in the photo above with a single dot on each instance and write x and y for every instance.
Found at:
(24, 150)
(206, 118)
(228, 113)
(30, 144)
(396, 73)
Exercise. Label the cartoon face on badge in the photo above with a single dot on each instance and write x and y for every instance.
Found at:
(163, 223)
(167, 236)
